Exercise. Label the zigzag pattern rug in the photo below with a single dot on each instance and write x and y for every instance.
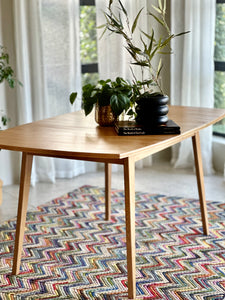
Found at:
(71, 252)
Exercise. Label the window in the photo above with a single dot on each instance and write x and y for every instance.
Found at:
(219, 57)
(88, 41)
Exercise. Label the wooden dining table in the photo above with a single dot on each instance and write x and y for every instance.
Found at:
(74, 136)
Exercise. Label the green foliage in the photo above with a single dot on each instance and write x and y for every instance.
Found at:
(6, 71)
(219, 95)
(88, 39)
(219, 81)
(144, 50)
(6, 74)
(118, 94)
(220, 33)
(89, 78)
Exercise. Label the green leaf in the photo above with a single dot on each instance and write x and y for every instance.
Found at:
(100, 26)
(164, 7)
(134, 48)
(112, 20)
(87, 107)
(146, 82)
(158, 20)
(159, 67)
(154, 51)
(141, 63)
(133, 54)
(130, 112)
(160, 4)
(122, 7)
(110, 3)
(118, 80)
(135, 21)
(73, 97)
(4, 120)
(144, 44)
(147, 35)
(119, 103)
(182, 33)
(151, 42)
(156, 9)
(104, 31)
(167, 41)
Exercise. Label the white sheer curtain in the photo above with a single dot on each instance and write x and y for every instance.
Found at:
(48, 64)
(113, 57)
(192, 69)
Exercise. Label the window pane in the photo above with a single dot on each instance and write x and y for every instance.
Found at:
(219, 93)
(88, 37)
(91, 78)
(219, 82)
(220, 33)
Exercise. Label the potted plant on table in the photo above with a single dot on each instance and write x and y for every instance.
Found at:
(151, 102)
(111, 98)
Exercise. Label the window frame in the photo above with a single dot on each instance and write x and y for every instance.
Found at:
(91, 67)
(219, 66)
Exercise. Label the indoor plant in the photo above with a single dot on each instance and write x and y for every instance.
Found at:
(110, 97)
(151, 103)
(6, 74)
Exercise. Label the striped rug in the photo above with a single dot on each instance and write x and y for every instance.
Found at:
(71, 252)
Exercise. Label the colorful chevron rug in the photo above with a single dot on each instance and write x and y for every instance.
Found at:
(71, 252)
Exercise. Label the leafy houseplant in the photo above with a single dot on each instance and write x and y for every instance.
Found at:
(116, 96)
(6, 74)
(143, 52)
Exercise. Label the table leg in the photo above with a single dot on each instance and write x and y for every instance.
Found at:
(129, 182)
(108, 176)
(22, 209)
(200, 181)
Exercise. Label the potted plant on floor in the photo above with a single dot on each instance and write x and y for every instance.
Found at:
(111, 98)
(151, 103)
(6, 74)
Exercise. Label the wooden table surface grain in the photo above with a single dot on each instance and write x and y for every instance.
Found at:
(74, 135)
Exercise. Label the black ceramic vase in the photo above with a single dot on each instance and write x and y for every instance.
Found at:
(152, 110)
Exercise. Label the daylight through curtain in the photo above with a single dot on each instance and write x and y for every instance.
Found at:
(192, 69)
(48, 56)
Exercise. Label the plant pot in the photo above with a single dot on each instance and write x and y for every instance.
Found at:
(104, 115)
(152, 110)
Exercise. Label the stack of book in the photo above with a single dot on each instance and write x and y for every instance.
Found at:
(132, 128)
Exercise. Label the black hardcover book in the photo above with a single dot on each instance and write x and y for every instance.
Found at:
(132, 128)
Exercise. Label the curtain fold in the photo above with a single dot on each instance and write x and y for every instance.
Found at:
(192, 70)
(48, 64)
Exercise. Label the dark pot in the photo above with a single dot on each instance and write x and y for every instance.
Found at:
(152, 109)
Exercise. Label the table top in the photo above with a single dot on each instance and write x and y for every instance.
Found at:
(75, 136)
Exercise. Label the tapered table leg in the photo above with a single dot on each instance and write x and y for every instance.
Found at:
(200, 181)
(129, 182)
(108, 177)
(22, 209)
